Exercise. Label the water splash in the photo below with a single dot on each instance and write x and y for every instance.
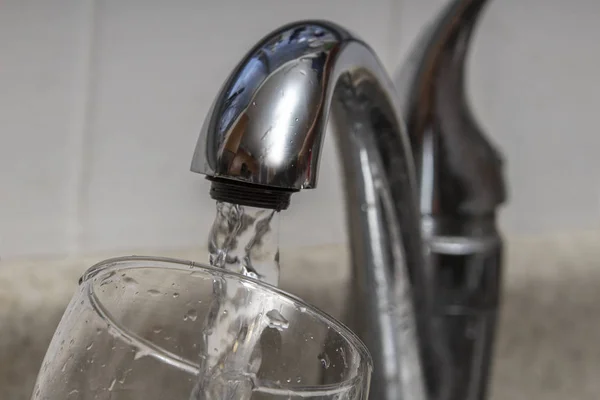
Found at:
(277, 321)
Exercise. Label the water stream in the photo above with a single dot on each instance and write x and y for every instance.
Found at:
(243, 240)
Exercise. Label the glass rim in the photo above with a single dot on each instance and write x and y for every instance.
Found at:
(115, 264)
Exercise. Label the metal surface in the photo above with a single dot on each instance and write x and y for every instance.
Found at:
(266, 129)
(266, 126)
(461, 185)
(458, 169)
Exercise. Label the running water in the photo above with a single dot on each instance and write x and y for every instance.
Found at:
(243, 240)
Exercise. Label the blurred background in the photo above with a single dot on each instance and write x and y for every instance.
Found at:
(101, 102)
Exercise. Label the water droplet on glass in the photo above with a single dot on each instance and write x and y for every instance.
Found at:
(296, 119)
(175, 295)
(129, 280)
(139, 354)
(277, 321)
(289, 380)
(298, 379)
(324, 359)
(251, 274)
(89, 347)
(197, 274)
(253, 104)
(343, 354)
(157, 330)
(153, 292)
(191, 314)
(105, 281)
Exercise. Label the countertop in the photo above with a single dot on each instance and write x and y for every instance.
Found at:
(550, 321)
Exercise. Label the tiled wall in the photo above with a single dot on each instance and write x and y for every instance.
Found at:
(101, 102)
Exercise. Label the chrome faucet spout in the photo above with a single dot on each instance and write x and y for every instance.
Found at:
(261, 142)
(265, 132)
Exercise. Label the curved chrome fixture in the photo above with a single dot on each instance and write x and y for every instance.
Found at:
(266, 129)
(461, 186)
(261, 142)
(459, 170)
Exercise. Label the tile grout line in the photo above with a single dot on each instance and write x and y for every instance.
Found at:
(79, 167)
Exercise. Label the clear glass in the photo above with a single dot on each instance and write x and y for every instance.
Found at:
(141, 328)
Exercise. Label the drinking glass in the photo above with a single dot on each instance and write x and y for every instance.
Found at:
(155, 328)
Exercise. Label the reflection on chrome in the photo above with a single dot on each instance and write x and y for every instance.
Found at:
(421, 194)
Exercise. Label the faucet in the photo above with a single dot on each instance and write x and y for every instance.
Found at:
(422, 186)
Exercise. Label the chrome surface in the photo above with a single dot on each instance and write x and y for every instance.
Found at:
(461, 186)
(265, 130)
(267, 124)
(458, 169)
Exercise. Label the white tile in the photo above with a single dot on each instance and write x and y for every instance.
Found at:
(411, 16)
(159, 65)
(39, 47)
(534, 84)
